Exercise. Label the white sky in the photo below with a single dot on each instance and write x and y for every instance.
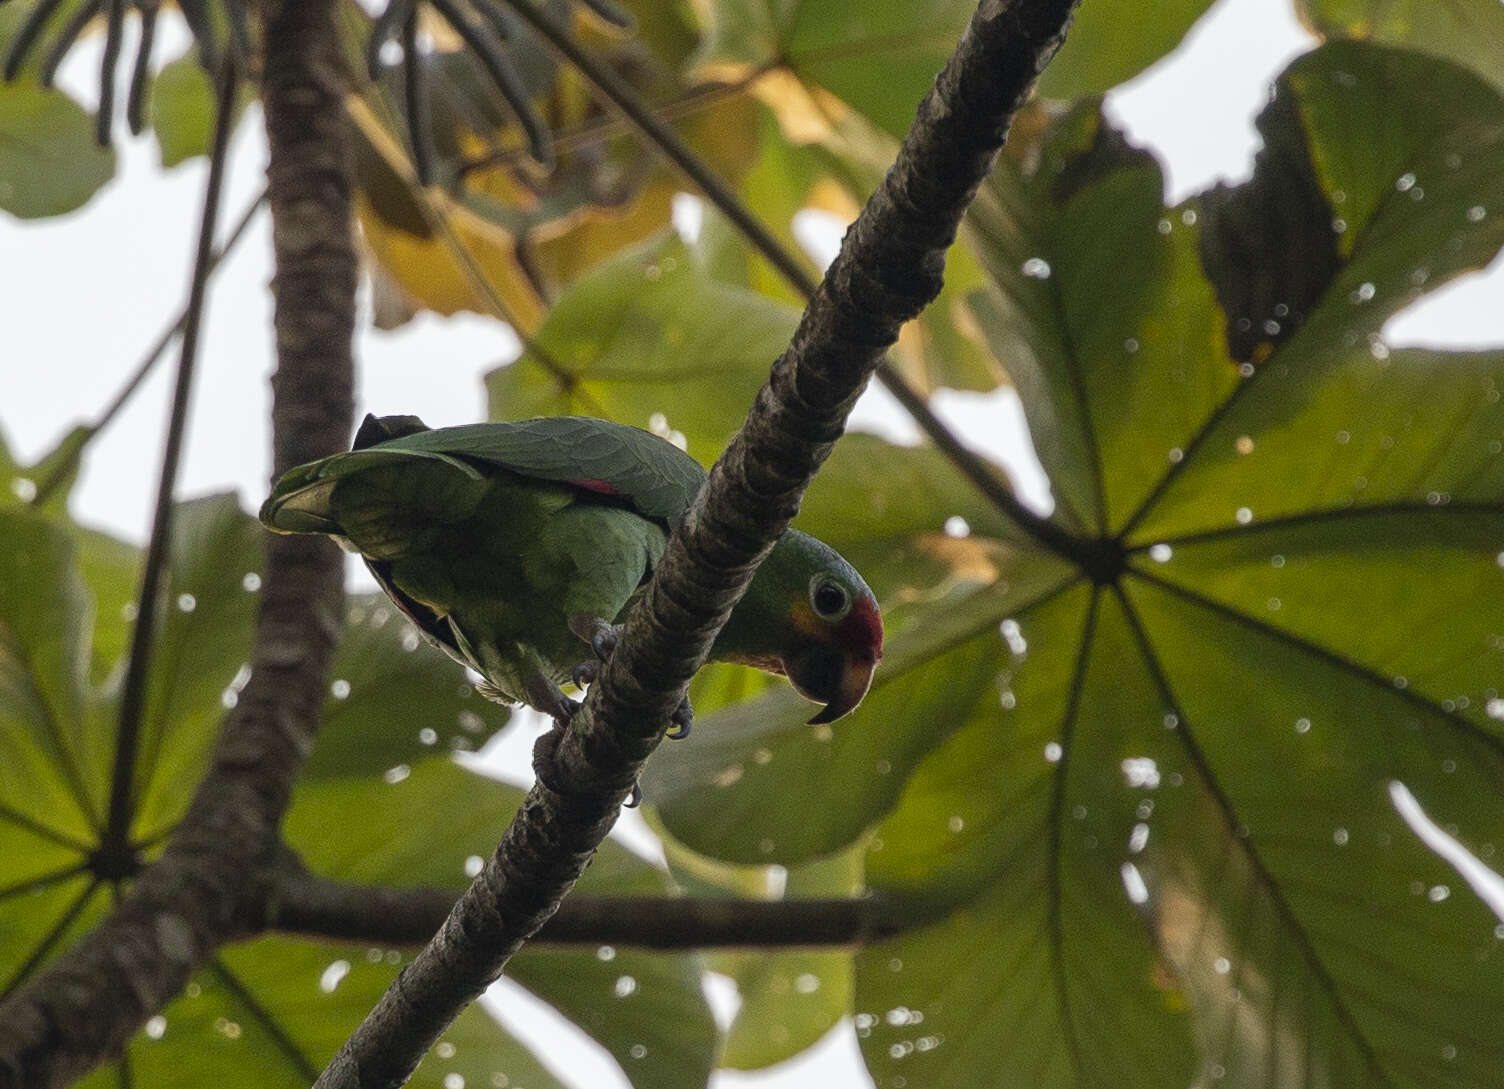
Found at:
(82, 297)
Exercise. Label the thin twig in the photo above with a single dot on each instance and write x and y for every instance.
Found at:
(148, 363)
(888, 269)
(644, 119)
(159, 548)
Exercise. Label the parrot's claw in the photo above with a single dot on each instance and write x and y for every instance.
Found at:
(547, 697)
(603, 638)
(601, 635)
(682, 719)
(604, 643)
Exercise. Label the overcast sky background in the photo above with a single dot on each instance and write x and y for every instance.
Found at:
(82, 298)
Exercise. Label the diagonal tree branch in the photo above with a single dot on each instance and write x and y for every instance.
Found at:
(314, 906)
(889, 268)
(211, 883)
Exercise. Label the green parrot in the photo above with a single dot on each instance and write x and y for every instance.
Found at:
(514, 547)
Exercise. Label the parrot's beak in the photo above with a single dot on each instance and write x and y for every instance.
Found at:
(838, 681)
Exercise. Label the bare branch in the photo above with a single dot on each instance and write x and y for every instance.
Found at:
(889, 268)
(318, 907)
(211, 882)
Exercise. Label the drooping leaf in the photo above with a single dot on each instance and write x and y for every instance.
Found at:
(49, 163)
(501, 237)
(182, 109)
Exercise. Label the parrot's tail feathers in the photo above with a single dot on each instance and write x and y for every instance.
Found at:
(492, 693)
(299, 507)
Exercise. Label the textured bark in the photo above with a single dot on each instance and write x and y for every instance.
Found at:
(316, 907)
(212, 882)
(889, 268)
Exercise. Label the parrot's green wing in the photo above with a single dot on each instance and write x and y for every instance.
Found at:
(652, 477)
(655, 478)
(491, 536)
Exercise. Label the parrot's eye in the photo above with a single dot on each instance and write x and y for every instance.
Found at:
(829, 598)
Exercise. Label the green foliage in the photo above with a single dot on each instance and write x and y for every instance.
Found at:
(1111, 42)
(788, 999)
(49, 163)
(1467, 32)
(274, 1011)
(1137, 804)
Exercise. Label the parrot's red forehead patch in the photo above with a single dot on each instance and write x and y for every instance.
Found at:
(591, 484)
(865, 625)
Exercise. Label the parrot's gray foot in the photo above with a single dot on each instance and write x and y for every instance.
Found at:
(584, 674)
(600, 634)
(682, 719)
(603, 638)
(543, 695)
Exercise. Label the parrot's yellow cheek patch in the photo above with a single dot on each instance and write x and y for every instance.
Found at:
(804, 621)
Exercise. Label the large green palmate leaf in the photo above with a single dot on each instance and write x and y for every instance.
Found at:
(1145, 804)
(880, 59)
(1467, 32)
(271, 1013)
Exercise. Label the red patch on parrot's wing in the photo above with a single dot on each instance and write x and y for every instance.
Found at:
(591, 484)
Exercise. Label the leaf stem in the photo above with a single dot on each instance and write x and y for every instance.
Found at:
(138, 663)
